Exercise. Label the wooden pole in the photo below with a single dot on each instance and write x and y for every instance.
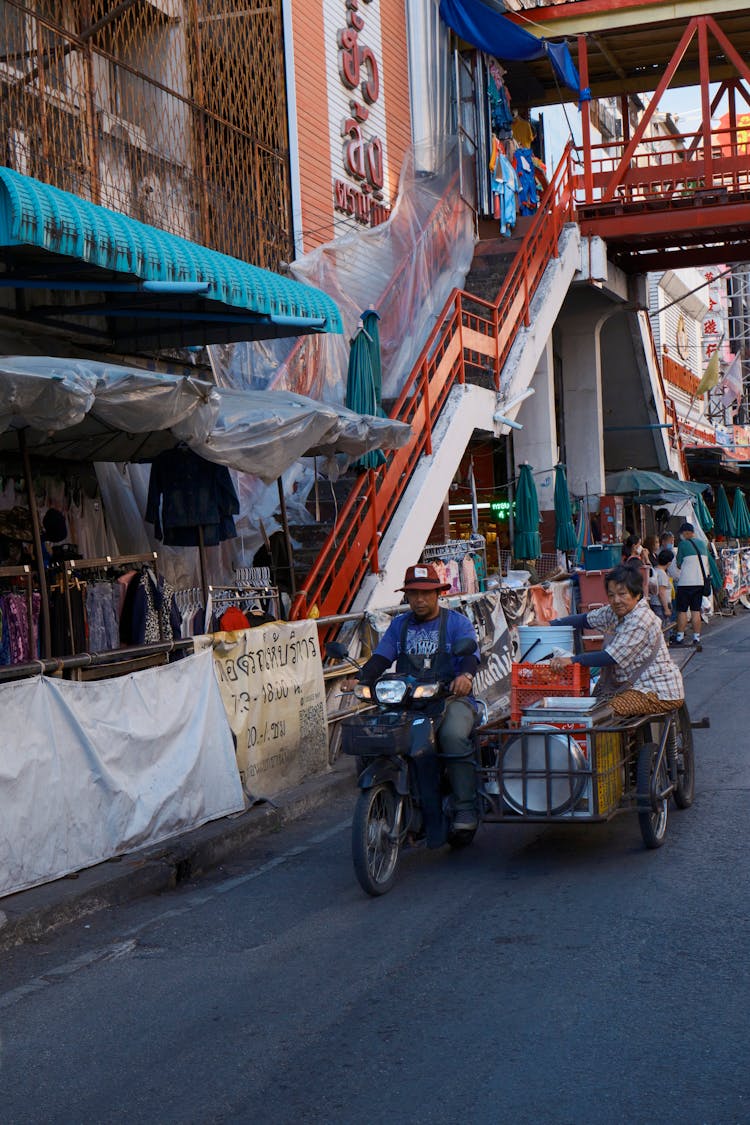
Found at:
(203, 566)
(287, 539)
(37, 534)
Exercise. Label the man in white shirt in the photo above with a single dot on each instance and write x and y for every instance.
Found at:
(692, 559)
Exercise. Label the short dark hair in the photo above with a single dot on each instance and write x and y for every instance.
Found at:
(664, 557)
(666, 535)
(630, 577)
(632, 540)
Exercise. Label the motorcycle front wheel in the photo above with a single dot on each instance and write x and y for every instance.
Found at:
(374, 852)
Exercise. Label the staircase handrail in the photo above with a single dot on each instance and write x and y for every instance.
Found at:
(351, 548)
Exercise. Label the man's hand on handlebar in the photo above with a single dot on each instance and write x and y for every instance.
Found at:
(461, 685)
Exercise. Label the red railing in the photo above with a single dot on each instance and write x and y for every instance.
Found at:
(670, 168)
(468, 327)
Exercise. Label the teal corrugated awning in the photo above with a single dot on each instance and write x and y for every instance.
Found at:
(159, 289)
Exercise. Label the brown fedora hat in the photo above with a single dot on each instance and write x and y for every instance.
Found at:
(423, 576)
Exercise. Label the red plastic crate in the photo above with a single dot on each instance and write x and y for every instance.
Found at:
(531, 682)
(592, 590)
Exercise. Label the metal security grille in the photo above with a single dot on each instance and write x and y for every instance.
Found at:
(171, 111)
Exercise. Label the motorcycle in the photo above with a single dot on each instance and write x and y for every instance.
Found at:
(404, 796)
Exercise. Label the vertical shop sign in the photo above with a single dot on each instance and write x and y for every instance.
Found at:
(363, 152)
(714, 325)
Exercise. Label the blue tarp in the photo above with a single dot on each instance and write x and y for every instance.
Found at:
(481, 23)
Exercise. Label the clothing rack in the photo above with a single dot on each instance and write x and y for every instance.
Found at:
(71, 568)
(254, 576)
(456, 550)
(25, 573)
(226, 596)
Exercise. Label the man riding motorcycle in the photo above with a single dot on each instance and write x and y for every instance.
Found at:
(430, 632)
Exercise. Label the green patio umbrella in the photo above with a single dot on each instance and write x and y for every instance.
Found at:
(741, 515)
(723, 518)
(527, 543)
(637, 482)
(702, 514)
(713, 568)
(371, 326)
(362, 392)
(565, 535)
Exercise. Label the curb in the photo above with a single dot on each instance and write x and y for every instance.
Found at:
(30, 915)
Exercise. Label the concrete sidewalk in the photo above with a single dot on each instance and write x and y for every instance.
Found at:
(31, 914)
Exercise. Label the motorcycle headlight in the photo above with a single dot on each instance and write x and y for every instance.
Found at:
(390, 691)
(363, 691)
(426, 691)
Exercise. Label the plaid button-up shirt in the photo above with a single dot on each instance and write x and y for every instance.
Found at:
(633, 639)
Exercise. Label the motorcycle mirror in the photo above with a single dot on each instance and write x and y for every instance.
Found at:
(336, 651)
(464, 647)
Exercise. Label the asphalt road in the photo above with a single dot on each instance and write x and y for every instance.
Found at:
(542, 976)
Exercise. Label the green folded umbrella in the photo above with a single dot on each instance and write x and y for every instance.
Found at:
(565, 535)
(371, 326)
(723, 518)
(716, 579)
(702, 514)
(741, 515)
(362, 391)
(527, 543)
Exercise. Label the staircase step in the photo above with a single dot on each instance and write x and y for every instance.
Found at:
(309, 535)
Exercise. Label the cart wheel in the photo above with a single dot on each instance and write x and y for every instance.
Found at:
(374, 853)
(685, 787)
(653, 822)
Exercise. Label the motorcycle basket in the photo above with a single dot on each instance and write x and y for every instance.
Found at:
(369, 736)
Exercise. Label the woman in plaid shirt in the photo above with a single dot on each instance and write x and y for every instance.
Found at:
(638, 673)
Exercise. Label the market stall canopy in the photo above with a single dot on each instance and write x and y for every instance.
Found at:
(147, 289)
(651, 487)
(84, 410)
(482, 23)
(264, 432)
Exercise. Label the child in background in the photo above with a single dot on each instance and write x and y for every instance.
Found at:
(661, 599)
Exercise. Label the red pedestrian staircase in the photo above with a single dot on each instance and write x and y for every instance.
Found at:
(470, 333)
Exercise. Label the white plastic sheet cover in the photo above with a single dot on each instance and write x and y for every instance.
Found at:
(264, 432)
(86, 410)
(405, 269)
(91, 770)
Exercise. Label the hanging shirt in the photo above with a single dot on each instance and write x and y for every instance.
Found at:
(186, 492)
(523, 132)
(523, 161)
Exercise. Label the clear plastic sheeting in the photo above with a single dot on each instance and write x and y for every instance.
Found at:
(84, 410)
(405, 269)
(264, 432)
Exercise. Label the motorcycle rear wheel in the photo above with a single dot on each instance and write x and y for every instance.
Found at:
(374, 853)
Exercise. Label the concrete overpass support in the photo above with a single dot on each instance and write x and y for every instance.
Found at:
(537, 441)
(582, 402)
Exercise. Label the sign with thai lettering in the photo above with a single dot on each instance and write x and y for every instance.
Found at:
(271, 682)
(357, 111)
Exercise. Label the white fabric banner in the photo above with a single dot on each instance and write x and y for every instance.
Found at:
(271, 681)
(91, 770)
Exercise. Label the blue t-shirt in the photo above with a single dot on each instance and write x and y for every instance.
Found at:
(422, 637)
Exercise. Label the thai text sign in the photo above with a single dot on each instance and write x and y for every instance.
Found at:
(271, 682)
